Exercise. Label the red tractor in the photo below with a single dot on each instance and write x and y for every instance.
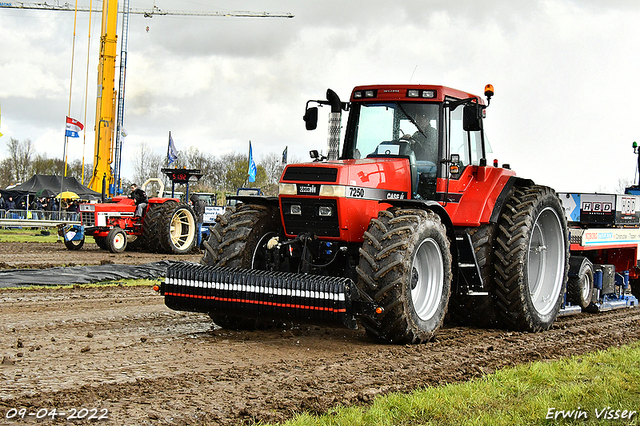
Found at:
(167, 226)
(405, 223)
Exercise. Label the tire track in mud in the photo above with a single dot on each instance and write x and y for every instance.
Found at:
(121, 349)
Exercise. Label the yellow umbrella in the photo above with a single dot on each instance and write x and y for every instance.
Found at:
(67, 195)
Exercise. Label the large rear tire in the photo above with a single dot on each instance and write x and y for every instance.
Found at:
(101, 242)
(405, 266)
(531, 259)
(170, 228)
(238, 240)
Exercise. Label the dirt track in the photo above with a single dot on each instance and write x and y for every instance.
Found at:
(121, 350)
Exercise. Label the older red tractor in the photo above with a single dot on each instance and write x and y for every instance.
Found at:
(167, 226)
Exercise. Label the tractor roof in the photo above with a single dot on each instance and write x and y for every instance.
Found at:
(408, 92)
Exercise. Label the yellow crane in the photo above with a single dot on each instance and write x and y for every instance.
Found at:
(105, 149)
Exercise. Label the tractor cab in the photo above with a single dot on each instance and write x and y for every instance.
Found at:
(437, 128)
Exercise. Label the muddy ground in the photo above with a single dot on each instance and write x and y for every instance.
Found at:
(121, 352)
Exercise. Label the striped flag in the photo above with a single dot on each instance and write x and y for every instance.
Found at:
(73, 127)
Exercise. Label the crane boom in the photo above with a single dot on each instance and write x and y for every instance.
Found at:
(148, 13)
(106, 150)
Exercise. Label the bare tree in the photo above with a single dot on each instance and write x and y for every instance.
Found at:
(20, 154)
(623, 184)
(6, 173)
(273, 166)
(148, 165)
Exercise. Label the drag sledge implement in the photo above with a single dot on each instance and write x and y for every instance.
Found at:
(264, 295)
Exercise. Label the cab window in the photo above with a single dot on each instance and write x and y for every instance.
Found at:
(468, 145)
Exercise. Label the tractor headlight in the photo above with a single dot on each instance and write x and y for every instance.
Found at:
(333, 191)
(296, 209)
(325, 211)
(415, 93)
(287, 189)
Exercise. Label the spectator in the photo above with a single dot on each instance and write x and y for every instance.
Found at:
(36, 207)
(72, 210)
(52, 208)
(11, 205)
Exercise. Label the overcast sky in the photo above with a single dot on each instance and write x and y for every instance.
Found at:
(566, 76)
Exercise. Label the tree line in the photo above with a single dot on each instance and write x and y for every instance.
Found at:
(221, 174)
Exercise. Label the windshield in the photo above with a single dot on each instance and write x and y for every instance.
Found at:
(395, 128)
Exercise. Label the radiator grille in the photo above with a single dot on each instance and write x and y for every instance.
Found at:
(88, 219)
(311, 174)
(310, 219)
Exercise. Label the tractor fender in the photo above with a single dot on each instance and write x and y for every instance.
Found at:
(504, 195)
(437, 208)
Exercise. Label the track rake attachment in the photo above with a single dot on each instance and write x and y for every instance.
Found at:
(251, 293)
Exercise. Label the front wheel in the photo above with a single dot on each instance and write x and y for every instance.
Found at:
(74, 245)
(405, 266)
(116, 240)
(238, 240)
(531, 259)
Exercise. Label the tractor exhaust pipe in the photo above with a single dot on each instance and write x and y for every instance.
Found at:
(335, 120)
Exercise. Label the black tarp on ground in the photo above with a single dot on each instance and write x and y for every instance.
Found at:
(52, 183)
(82, 274)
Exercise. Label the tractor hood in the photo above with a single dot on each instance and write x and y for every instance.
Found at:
(373, 179)
(338, 199)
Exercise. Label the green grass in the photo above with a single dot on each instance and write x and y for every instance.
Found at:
(28, 235)
(143, 282)
(525, 395)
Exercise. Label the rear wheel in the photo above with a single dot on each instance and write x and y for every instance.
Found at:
(170, 227)
(580, 284)
(238, 240)
(531, 259)
(116, 240)
(405, 266)
(101, 242)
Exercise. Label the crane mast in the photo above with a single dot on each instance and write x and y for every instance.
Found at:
(117, 187)
(106, 99)
(106, 150)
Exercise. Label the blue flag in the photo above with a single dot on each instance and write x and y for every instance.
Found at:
(172, 152)
(252, 166)
(284, 155)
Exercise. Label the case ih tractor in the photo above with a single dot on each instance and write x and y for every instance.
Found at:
(404, 223)
(168, 226)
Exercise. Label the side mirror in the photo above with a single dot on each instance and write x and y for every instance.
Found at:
(472, 118)
(311, 118)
